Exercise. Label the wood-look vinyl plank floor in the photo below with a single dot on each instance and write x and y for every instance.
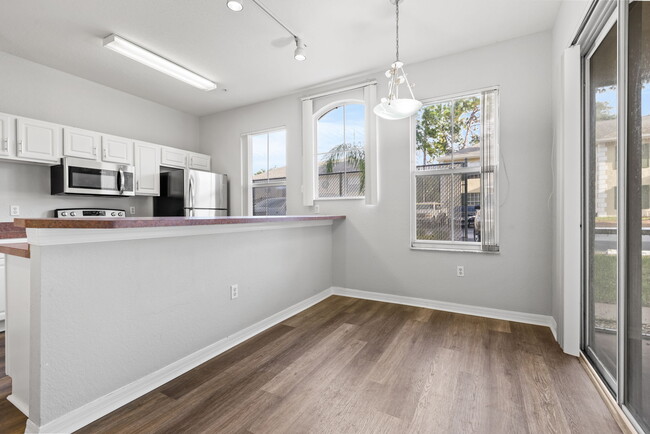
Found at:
(359, 366)
(11, 419)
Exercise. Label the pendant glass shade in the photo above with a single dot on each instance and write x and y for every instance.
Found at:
(397, 109)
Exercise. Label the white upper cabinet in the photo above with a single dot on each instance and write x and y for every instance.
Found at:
(81, 143)
(117, 149)
(172, 157)
(147, 169)
(38, 140)
(5, 131)
(199, 161)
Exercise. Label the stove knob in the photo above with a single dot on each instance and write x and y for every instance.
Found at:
(113, 214)
(63, 214)
(72, 214)
(121, 214)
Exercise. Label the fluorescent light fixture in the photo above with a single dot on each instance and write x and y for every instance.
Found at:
(235, 5)
(152, 60)
(299, 53)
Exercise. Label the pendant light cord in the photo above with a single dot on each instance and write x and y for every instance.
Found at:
(397, 30)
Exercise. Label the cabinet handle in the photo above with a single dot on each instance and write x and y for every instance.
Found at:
(5, 144)
(105, 153)
(20, 146)
(137, 185)
(95, 150)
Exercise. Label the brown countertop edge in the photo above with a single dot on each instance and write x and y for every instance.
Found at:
(8, 230)
(15, 249)
(154, 222)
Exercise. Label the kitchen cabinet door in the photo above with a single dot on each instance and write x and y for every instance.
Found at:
(200, 161)
(81, 143)
(117, 150)
(171, 157)
(147, 169)
(5, 132)
(38, 140)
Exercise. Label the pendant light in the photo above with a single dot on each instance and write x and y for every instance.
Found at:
(394, 107)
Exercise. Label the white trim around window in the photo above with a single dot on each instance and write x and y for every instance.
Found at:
(367, 98)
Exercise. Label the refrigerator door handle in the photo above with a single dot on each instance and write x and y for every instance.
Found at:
(191, 197)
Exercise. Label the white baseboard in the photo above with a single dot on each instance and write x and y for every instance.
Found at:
(100, 407)
(508, 315)
(20, 405)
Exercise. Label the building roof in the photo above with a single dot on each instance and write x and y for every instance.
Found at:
(274, 173)
(607, 131)
(470, 153)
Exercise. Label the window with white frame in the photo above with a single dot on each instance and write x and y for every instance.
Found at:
(454, 202)
(340, 155)
(267, 189)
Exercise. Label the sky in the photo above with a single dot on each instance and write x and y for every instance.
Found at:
(269, 150)
(609, 96)
(331, 132)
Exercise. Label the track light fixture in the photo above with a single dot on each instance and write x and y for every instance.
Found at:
(235, 5)
(299, 52)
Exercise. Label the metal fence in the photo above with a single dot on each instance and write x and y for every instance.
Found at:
(269, 200)
(341, 184)
(445, 207)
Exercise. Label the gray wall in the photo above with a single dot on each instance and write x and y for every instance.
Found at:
(371, 248)
(36, 91)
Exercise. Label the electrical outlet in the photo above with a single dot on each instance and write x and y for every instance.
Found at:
(132, 210)
(234, 291)
(15, 210)
(460, 271)
(316, 209)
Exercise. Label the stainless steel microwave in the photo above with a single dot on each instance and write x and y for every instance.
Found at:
(88, 177)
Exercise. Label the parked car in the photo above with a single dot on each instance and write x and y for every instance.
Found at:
(271, 206)
(465, 215)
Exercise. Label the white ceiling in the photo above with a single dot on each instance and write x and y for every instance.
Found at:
(247, 53)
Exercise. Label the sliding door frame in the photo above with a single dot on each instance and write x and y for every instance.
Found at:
(604, 27)
(601, 16)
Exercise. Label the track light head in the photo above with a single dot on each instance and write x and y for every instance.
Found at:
(235, 5)
(299, 53)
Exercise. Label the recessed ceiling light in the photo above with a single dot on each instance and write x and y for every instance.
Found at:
(152, 60)
(235, 5)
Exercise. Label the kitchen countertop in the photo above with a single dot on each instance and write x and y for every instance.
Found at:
(153, 222)
(15, 249)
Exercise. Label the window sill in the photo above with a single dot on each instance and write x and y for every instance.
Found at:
(472, 248)
(339, 198)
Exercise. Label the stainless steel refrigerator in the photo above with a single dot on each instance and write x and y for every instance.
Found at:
(191, 193)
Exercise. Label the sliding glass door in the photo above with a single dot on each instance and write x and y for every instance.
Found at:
(616, 302)
(602, 209)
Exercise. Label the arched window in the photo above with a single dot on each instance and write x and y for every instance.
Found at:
(340, 152)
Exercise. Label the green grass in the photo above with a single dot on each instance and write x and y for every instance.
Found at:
(604, 280)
